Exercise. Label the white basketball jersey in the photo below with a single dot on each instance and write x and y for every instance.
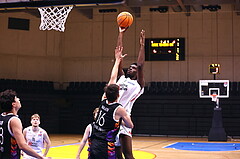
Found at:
(129, 91)
(35, 140)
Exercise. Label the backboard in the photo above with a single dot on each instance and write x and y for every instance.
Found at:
(25, 4)
(218, 88)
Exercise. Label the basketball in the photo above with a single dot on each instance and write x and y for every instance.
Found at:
(124, 19)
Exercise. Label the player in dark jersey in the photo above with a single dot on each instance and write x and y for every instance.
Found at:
(106, 126)
(87, 134)
(101, 134)
(11, 136)
(9, 147)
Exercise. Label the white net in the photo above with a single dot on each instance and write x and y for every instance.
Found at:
(214, 97)
(54, 17)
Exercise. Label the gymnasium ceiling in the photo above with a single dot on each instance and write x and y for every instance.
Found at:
(85, 7)
(186, 6)
(183, 4)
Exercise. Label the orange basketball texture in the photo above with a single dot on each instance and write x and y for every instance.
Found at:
(124, 19)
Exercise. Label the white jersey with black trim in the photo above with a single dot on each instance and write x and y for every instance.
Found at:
(35, 139)
(129, 91)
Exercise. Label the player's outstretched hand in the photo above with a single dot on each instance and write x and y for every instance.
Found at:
(142, 38)
(118, 53)
(122, 30)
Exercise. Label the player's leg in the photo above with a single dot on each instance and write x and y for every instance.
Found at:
(118, 152)
(126, 144)
(118, 148)
(98, 149)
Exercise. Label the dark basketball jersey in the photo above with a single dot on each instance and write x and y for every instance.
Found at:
(104, 132)
(8, 146)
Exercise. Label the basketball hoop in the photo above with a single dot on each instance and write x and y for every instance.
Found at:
(54, 17)
(214, 97)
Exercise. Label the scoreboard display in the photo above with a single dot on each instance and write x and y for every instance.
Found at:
(214, 69)
(165, 49)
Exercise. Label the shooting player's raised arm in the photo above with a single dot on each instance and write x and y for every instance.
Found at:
(141, 59)
(120, 44)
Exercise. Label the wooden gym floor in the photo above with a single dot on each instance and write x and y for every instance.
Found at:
(144, 148)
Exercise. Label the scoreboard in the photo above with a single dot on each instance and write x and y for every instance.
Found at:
(165, 49)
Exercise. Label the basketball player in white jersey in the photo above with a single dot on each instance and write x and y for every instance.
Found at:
(131, 87)
(36, 137)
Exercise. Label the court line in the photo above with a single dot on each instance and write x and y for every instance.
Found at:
(67, 144)
(161, 142)
(79, 143)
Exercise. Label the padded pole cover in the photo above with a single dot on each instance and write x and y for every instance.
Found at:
(217, 132)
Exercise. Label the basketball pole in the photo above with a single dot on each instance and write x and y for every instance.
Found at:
(217, 131)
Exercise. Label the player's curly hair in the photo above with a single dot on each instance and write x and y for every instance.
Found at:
(112, 92)
(7, 97)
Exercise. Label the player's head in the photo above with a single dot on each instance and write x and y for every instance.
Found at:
(35, 120)
(8, 99)
(112, 92)
(95, 113)
(132, 71)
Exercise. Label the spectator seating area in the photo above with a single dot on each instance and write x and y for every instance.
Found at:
(86, 87)
(27, 86)
(158, 88)
(166, 108)
(172, 88)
